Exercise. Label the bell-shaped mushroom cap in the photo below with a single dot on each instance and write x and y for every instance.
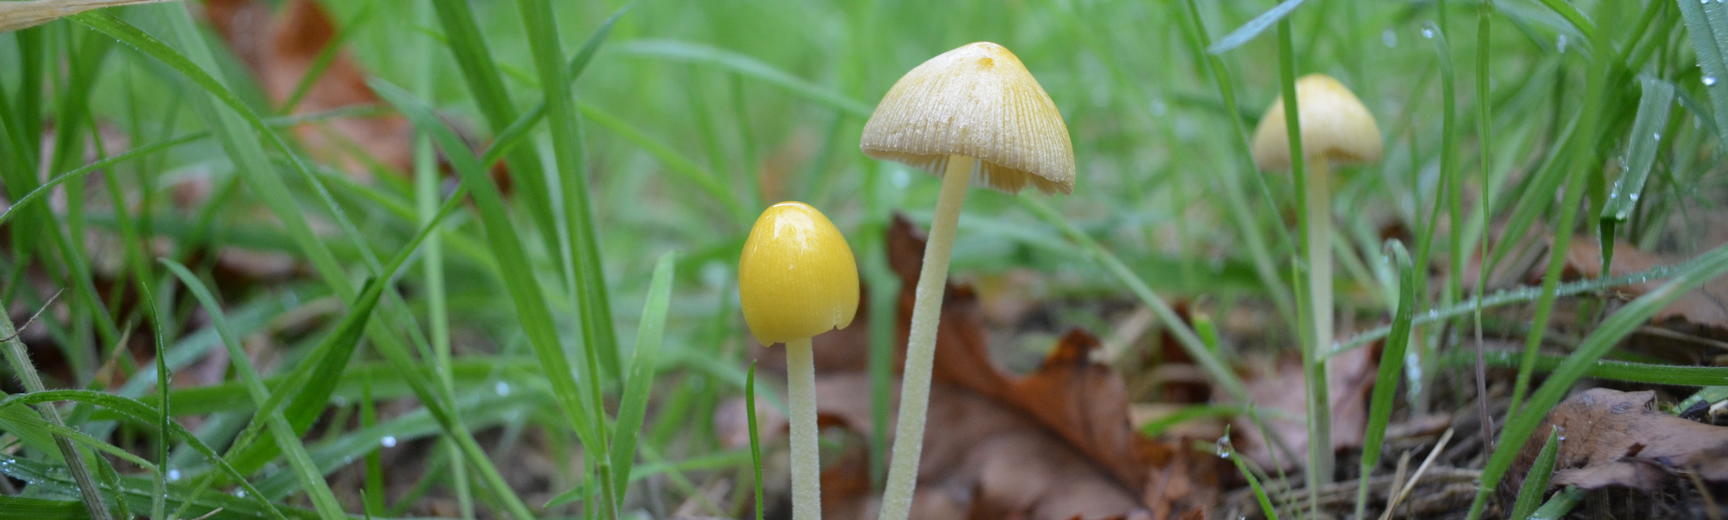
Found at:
(977, 101)
(1335, 126)
(797, 277)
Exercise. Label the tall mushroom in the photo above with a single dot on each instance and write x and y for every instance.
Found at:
(797, 279)
(1335, 128)
(972, 112)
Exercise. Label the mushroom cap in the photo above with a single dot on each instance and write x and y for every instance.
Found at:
(1335, 126)
(977, 101)
(796, 277)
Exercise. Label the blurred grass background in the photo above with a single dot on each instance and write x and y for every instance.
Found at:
(692, 117)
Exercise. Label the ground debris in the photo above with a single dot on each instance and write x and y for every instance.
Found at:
(1614, 438)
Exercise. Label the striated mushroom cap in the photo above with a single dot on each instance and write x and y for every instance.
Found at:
(1335, 126)
(977, 101)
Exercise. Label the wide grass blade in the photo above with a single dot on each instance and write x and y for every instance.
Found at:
(1386, 380)
(284, 434)
(1707, 22)
(1641, 147)
(1536, 481)
(139, 413)
(643, 366)
(519, 280)
(314, 378)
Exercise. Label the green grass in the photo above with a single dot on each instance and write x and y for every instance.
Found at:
(474, 328)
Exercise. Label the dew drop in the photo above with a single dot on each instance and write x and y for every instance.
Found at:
(240, 493)
(1427, 33)
(1656, 136)
(1560, 42)
(173, 475)
(389, 441)
(1709, 80)
(1389, 38)
(502, 388)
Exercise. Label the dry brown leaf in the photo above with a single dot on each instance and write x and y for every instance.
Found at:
(280, 47)
(1278, 391)
(1613, 438)
(1056, 443)
(1702, 311)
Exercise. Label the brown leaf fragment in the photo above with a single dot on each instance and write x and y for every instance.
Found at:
(1702, 311)
(1056, 443)
(281, 47)
(1614, 438)
(1277, 389)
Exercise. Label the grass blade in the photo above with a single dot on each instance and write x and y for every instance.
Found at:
(142, 414)
(755, 439)
(314, 379)
(1518, 429)
(525, 293)
(25, 371)
(1386, 381)
(643, 365)
(1254, 27)
(1536, 481)
(1707, 22)
(323, 500)
(747, 66)
(1641, 146)
(1561, 503)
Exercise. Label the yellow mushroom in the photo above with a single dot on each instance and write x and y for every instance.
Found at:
(797, 279)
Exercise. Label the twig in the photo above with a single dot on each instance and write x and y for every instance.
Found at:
(44, 308)
(1417, 477)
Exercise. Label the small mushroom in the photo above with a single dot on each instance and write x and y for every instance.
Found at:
(797, 279)
(1335, 128)
(974, 112)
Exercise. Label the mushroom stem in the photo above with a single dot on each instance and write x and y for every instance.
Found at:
(806, 456)
(921, 342)
(1318, 191)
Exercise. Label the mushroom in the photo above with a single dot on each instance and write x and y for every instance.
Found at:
(797, 279)
(972, 112)
(1335, 128)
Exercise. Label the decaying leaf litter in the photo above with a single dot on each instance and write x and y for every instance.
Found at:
(1063, 439)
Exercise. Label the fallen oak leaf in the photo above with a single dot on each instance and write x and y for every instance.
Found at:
(983, 459)
(1614, 438)
(1071, 398)
(1702, 311)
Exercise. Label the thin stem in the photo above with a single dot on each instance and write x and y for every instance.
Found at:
(26, 372)
(921, 342)
(806, 457)
(1319, 191)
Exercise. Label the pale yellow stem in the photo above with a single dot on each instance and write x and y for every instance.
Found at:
(921, 342)
(806, 454)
